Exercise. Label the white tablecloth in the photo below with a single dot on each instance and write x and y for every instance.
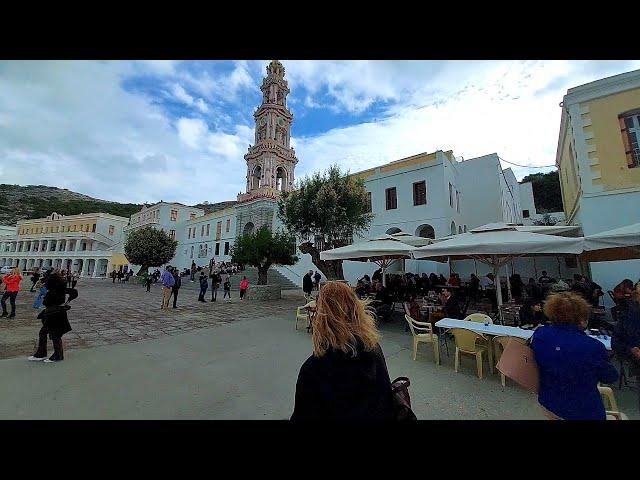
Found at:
(495, 329)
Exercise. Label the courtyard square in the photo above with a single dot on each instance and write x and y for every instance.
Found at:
(126, 359)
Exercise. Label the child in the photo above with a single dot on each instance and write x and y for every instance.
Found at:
(227, 289)
(244, 284)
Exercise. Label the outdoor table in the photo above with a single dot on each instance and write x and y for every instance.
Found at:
(496, 330)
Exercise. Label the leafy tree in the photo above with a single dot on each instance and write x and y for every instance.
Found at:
(330, 208)
(149, 247)
(546, 191)
(263, 248)
(546, 220)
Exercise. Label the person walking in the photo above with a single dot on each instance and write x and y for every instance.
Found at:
(34, 279)
(176, 286)
(12, 287)
(244, 285)
(215, 285)
(55, 322)
(148, 280)
(114, 274)
(307, 283)
(167, 283)
(227, 288)
(204, 284)
(346, 377)
(74, 279)
(316, 280)
(570, 363)
(193, 271)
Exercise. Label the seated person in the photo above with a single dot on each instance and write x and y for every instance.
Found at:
(559, 286)
(534, 291)
(531, 313)
(624, 290)
(382, 302)
(442, 280)
(361, 289)
(414, 309)
(433, 279)
(450, 307)
(625, 341)
(544, 279)
(474, 286)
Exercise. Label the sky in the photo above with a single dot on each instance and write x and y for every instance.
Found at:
(145, 131)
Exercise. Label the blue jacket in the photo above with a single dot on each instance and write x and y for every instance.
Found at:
(626, 334)
(571, 364)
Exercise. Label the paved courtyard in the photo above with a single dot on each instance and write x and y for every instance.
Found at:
(125, 359)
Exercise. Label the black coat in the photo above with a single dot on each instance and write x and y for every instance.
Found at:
(55, 319)
(307, 283)
(339, 386)
(626, 335)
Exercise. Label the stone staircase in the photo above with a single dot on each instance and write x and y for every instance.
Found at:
(273, 278)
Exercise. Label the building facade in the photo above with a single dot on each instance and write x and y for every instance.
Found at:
(598, 160)
(86, 243)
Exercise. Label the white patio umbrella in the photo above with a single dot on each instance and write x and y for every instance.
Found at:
(383, 251)
(409, 239)
(495, 247)
(618, 244)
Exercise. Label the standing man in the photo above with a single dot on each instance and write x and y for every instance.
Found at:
(204, 284)
(215, 284)
(307, 283)
(148, 280)
(316, 279)
(176, 286)
(167, 284)
(193, 270)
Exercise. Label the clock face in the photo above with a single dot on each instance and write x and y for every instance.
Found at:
(280, 122)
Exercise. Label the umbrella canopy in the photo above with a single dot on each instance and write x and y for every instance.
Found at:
(410, 239)
(618, 244)
(497, 244)
(381, 250)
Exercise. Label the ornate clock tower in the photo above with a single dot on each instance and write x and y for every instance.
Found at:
(271, 161)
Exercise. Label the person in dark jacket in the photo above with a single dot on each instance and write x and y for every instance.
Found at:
(215, 285)
(204, 284)
(34, 279)
(346, 378)
(55, 322)
(176, 286)
(148, 280)
(307, 283)
(531, 313)
(450, 306)
(570, 363)
(377, 275)
(626, 334)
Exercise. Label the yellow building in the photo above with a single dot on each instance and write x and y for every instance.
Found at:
(598, 160)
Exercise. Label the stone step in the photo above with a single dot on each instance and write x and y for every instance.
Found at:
(273, 277)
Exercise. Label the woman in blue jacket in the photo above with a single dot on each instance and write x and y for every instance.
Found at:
(570, 362)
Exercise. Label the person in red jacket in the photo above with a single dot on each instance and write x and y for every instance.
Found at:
(244, 285)
(12, 282)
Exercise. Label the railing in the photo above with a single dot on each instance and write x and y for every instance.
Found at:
(153, 221)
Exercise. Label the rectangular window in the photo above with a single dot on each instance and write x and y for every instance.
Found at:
(525, 213)
(392, 199)
(217, 249)
(192, 216)
(191, 251)
(172, 234)
(111, 229)
(369, 205)
(174, 215)
(218, 230)
(226, 248)
(93, 228)
(630, 128)
(228, 224)
(202, 230)
(458, 201)
(420, 193)
(450, 195)
(208, 225)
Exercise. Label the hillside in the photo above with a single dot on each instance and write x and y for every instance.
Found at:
(37, 201)
(546, 191)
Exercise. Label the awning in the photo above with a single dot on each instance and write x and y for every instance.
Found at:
(118, 259)
(618, 244)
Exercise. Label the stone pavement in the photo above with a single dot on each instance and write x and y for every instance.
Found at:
(107, 313)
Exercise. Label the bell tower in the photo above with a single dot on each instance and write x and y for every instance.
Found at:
(271, 161)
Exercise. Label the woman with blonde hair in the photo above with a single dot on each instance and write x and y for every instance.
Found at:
(12, 287)
(570, 363)
(346, 378)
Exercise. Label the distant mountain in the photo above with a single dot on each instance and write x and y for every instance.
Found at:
(37, 201)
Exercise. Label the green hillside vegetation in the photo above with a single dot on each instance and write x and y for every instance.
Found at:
(546, 191)
(40, 207)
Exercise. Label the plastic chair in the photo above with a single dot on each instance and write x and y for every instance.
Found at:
(466, 342)
(500, 343)
(610, 404)
(301, 314)
(423, 332)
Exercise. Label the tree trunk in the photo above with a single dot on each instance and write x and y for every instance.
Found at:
(332, 269)
(262, 275)
(143, 270)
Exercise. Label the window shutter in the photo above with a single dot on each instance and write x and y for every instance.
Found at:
(625, 140)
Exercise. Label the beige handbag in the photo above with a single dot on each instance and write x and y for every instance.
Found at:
(519, 364)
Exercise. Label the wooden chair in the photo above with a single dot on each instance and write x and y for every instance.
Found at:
(499, 344)
(423, 333)
(467, 343)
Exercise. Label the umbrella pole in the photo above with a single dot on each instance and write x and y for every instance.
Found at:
(496, 274)
(506, 270)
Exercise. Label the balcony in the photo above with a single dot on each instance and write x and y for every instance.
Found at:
(145, 223)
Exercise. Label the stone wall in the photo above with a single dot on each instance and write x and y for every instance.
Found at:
(264, 292)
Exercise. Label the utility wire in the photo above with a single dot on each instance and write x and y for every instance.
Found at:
(526, 166)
